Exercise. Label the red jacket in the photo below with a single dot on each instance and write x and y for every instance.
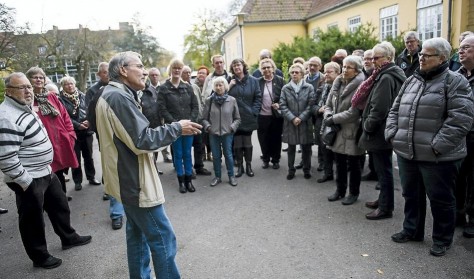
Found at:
(61, 134)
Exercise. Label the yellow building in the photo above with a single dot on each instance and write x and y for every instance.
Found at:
(266, 23)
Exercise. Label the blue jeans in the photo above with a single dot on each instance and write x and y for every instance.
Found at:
(182, 155)
(219, 143)
(437, 181)
(383, 166)
(149, 230)
(115, 208)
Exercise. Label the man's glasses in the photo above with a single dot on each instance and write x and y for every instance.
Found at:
(375, 58)
(464, 48)
(23, 87)
(139, 66)
(295, 72)
(425, 55)
(267, 68)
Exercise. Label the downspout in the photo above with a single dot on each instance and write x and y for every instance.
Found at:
(450, 11)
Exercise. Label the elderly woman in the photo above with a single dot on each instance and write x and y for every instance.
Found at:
(375, 97)
(427, 126)
(57, 123)
(220, 120)
(177, 101)
(270, 122)
(246, 90)
(74, 102)
(297, 99)
(338, 111)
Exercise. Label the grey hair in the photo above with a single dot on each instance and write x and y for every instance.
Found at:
(341, 51)
(35, 70)
(465, 34)
(13, 75)
(299, 66)
(67, 79)
(442, 47)
(334, 65)
(118, 61)
(411, 34)
(221, 80)
(387, 49)
(102, 65)
(315, 58)
(267, 60)
(265, 53)
(356, 60)
(369, 52)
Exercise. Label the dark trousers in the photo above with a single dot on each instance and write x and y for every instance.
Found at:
(465, 181)
(305, 155)
(44, 193)
(197, 147)
(328, 159)
(206, 146)
(269, 136)
(344, 164)
(382, 160)
(437, 180)
(83, 146)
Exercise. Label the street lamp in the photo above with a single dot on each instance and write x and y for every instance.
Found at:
(240, 22)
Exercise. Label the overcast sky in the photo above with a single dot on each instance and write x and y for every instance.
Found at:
(170, 20)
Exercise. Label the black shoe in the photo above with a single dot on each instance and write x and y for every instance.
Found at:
(307, 175)
(468, 230)
(439, 250)
(290, 175)
(403, 237)
(160, 172)
(320, 168)
(299, 150)
(105, 197)
(117, 223)
(350, 199)
(369, 177)
(276, 166)
(248, 170)
(49, 263)
(81, 240)
(285, 149)
(203, 171)
(372, 205)
(188, 183)
(335, 197)
(378, 215)
(377, 186)
(215, 181)
(299, 166)
(94, 181)
(69, 198)
(265, 165)
(78, 186)
(182, 188)
(325, 178)
(3, 210)
(240, 170)
(233, 181)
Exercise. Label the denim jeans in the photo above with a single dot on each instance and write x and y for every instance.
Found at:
(437, 180)
(382, 161)
(115, 208)
(219, 143)
(182, 155)
(149, 230)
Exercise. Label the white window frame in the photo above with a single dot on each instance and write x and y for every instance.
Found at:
(388, 22)
(353, 23)
(429, 18)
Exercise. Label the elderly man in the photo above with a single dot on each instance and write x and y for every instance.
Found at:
(408, 60)
(127, 143)
(454, 63)
(25, 157)
(465, 179)
(265, 53)
(103, 74)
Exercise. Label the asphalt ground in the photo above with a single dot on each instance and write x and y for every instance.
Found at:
(266, 227)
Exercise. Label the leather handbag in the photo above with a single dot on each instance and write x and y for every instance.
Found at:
(329, 134)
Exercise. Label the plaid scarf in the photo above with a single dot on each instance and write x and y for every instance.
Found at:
(359, 100)
(74, 98)
(44, 105)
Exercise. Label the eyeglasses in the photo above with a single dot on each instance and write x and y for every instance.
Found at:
(314, 65)
(187, 73)
(410, 41)
(37, 77)
(267, 68)
(328, 72)
(424, 55)
(348, 67)
(375, 58)
(295, 72)
(139, 66)
(368, 59)
(154, 75)
(23, 87)
(464, 47)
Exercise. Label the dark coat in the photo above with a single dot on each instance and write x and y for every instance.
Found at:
(432, 112)
(294, 105)
(149, 103)
(321, 94)
(380, 100)
(80, 115)
(177, 103)
(249, 99)
(407, 64)
(277, 85)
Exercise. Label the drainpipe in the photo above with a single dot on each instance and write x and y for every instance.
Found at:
(450, 11)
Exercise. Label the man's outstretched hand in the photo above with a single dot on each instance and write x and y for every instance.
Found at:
(190, 128)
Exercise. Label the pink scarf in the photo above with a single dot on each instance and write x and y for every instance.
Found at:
(359, 99)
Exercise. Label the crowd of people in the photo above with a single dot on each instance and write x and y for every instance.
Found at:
(371, 103)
